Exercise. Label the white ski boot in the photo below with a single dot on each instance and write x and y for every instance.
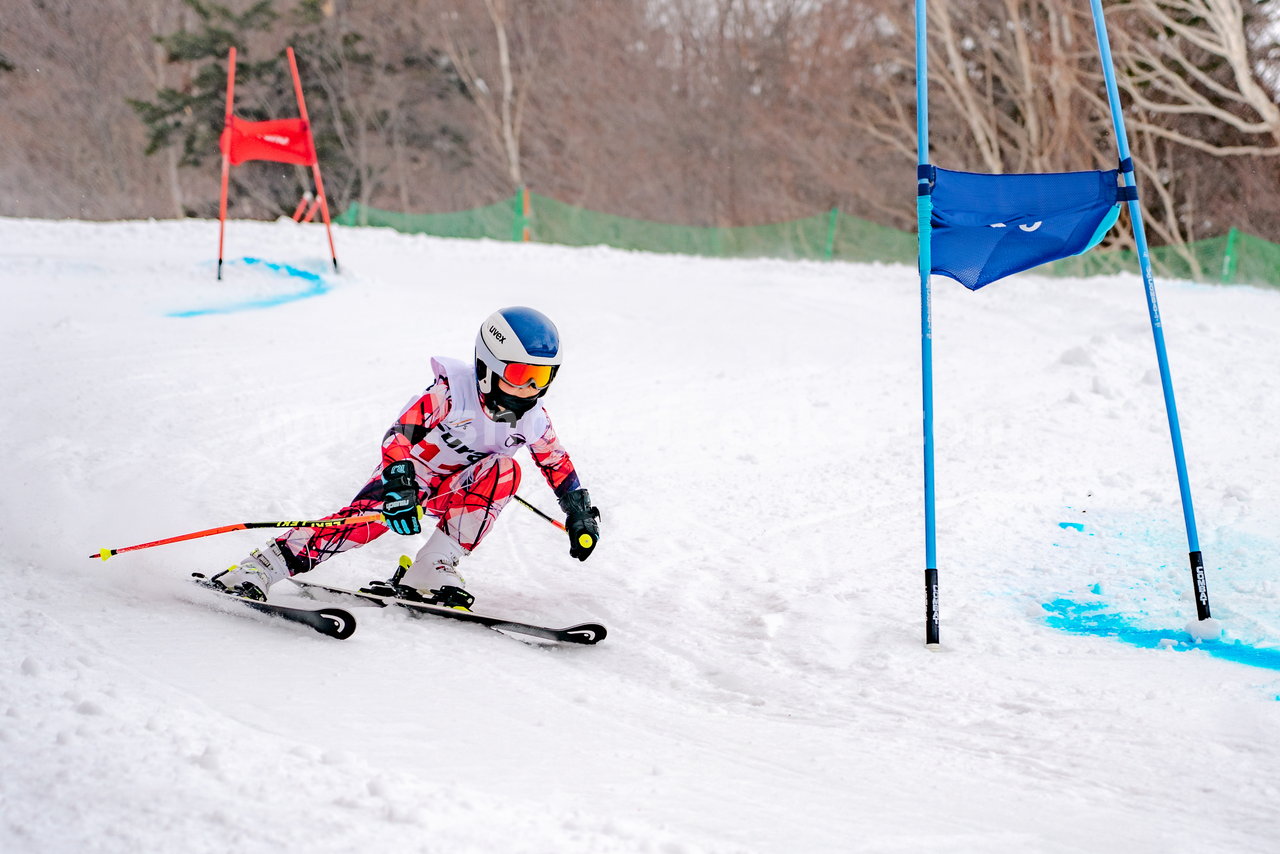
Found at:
(431, 577)
(436, 565)
(254, 575)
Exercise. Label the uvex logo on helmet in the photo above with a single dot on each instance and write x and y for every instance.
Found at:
(493, 330)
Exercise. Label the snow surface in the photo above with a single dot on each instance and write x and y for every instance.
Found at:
(751, 431)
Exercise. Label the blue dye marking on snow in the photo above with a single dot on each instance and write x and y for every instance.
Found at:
(1076, 525)
(1093, 618)
(316, 285)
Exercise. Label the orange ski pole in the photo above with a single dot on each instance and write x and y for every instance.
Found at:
(242, 526)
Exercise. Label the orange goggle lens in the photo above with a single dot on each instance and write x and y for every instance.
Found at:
(520, 375)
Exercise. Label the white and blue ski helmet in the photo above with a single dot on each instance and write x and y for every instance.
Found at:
(522, 346)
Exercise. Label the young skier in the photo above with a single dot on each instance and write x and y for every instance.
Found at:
(450, 453)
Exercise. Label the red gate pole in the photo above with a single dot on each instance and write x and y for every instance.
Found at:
(302, 206)
(226, 155)
(315, 163)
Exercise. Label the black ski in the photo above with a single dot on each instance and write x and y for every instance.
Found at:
(334, 622)
(583, 633)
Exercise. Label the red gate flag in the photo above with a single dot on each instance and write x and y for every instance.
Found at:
(278, 140)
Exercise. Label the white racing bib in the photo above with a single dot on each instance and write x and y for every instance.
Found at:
(467, 435)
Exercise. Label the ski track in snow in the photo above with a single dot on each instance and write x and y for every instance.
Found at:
(751, 431)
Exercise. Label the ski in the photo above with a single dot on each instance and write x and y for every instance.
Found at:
(333, 622)
(583, 633)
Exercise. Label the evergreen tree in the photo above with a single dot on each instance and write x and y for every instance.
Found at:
(365, 101)
(192, 115)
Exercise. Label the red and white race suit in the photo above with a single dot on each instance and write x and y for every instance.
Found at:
(463, 461)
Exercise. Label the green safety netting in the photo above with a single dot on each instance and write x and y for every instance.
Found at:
(1235, 258)
(832, 235)
(492, 221)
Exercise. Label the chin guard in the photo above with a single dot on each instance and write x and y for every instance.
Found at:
(507, 408)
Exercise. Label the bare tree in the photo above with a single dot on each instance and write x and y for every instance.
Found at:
(513, 59)
(1016, 86)
(699, 112)
(1009, 84)
(151, 59)
(1194, 58)
(72, 145)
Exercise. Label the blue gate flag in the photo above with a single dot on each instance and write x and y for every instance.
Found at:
(986, 227)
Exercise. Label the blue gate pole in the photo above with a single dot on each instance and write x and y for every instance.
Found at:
(924, 213)
(1148, 279)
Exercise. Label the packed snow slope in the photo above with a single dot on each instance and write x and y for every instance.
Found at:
(751, 431)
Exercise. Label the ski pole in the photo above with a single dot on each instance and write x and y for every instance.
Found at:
(555, 522)
(242, 526)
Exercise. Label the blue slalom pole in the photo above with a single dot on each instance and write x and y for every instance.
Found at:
(1162, 357)
(924, 213)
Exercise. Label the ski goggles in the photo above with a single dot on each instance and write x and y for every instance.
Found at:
(521, 375)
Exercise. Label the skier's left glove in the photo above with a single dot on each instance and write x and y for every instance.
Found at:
(580, 522)
(400, 498)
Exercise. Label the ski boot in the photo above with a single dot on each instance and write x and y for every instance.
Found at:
(433, 578)
(448, 595)
(253, 576)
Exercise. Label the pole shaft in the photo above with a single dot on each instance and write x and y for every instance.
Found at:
(833, 219)
(1229, 256)
(241, 526)
(226, 154)
(924, 212)
(1153, 309)
(555, 522)
(525, 234)
(315, 160)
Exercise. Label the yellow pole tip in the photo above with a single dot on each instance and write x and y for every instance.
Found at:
(586, 541)
(104, 554)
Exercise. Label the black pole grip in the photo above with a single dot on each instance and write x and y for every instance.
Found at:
(1200, 586)
(932, 619)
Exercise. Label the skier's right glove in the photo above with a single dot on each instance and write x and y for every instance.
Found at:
(580, 522)
(400, 498)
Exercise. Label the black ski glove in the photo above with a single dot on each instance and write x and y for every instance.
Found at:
(400, 498)
(580, 522)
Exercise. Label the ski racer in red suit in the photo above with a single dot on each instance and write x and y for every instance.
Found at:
(450, 454)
